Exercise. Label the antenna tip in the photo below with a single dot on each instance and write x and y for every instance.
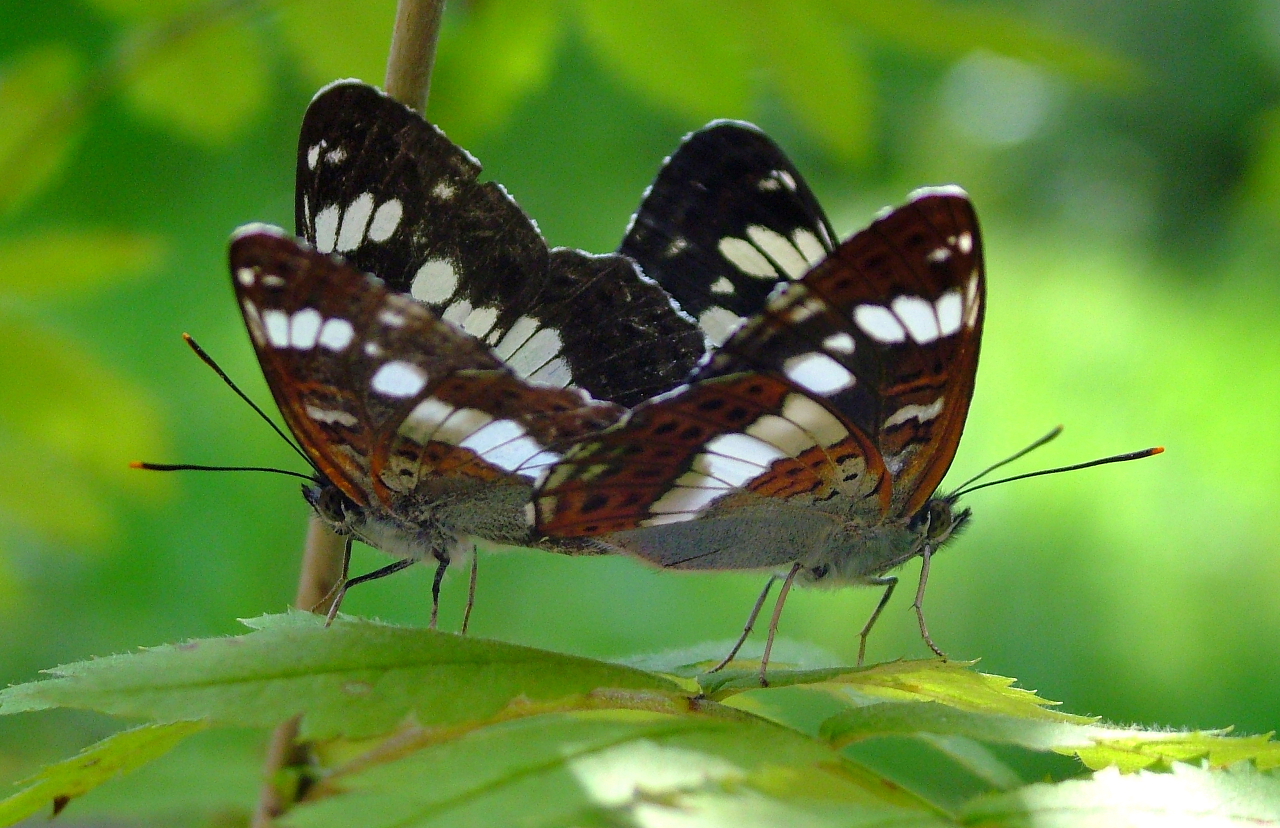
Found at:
(1157, 450)
(137, 464)
(186, 336)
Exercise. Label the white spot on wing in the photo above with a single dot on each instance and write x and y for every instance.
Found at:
(839, 343)
(718, 323)
(336, 155)
(918, 317)
(253, 321)
(814, 419)
(781, 432)
(459, 425)
(693, 480)
(434, 282)
(965, 242)
(443, 190)
(398, 379)
(808, 245)
(513, 455)
(879, 323)
(354, 221)
(327, 228)
(922, 413)
(940, 254)
(492, 435)
(304, 328)
(480, 321)
(743, 255)
(680, 499)
(390, 318)
(779, 248)
(676, 247)
(950, 307)
(971, 300)
(424, 419)
(536, 352)
(731, 470)
(818, 372)
(313, 156)
(336, 334)
(555, 373)
(245, 276)
(276, 323)
(457, 312)
(385, 220)
(746, 448)
(525, 327)
(326, 415)
(722, 286)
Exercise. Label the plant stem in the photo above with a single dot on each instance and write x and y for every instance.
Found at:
(413, 53)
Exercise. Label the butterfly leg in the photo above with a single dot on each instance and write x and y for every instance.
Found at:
(435, 591)
(471, 591)
(389, 569)
(751, 622)
(773, 622)
(919, 602)
(889, 582)
(339, 588)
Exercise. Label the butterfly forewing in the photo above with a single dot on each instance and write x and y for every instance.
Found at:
(387, 190)
(392, 405)
(728, 217)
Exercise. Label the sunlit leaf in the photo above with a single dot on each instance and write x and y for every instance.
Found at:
(489, 59)
(121, 753)
(695, 58)
(1188, 796)
(335, 39)
(357, 678)
(819, 72)
(68, 262)
(1132, 751)
(65, 405)
(40, 119)
(208, 84)
(615, 767)
(951, 29)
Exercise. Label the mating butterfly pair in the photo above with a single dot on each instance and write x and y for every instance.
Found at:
(732, 390)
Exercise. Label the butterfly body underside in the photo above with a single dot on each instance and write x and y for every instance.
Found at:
(422, 439)
(818, 432)
(379, 185)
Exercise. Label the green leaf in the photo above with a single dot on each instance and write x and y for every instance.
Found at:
(615, 767)
(119, 754)
(357, 678)
(491, 56)
(40, 120)
(953, 30)
(67, 262)
(1188, 796)
(911, 718)
(207, 84)
(339, 39)
(695, 58)
(1131, 750)
(820, 73)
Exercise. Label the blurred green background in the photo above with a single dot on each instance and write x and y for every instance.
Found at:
(1124, 159)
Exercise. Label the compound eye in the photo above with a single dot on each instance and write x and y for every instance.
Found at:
(819, 572)
(334, 506)
(940, 519)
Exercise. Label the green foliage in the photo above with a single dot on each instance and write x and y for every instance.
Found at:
(422, 728)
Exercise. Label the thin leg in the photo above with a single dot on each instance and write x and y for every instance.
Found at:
(919, 603)
(888, 582)
(435, 591)
(339, 589)
(389, 569)
(471, 591)
(773, 623)
(751, 622)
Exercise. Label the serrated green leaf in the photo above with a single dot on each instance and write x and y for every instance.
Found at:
(117, 754)
(607, 767)
(911, 718)
(357, 678)
(490, 57)
(820, 74)
(207, 85)
(1130, 751)
(110, 422)
(67, 262)
(948, 29)
(1189, 796)
(974, 757)
(695, 58)
(334, 39)
(40, 119)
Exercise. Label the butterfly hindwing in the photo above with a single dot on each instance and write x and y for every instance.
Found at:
(386, 189)
(728, 218)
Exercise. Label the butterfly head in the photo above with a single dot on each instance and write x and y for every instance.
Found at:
(342, 514)
(938, 521)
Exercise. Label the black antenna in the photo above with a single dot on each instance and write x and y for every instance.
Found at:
(1117, 458)
(138, 464)
(989, 469)
(208, 360)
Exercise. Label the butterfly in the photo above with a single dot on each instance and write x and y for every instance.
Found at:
(421, 439)
(814, 439)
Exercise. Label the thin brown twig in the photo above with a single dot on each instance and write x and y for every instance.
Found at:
(413, 51)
